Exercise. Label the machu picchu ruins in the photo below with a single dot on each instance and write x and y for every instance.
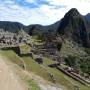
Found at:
(8, 39)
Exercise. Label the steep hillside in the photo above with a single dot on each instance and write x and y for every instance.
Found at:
(88, 16)
(11, 26)
(15, 26)
(39, 78)
(75, 27)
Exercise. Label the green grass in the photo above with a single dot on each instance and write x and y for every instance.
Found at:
(35, 40)
(24, 49)
(42, 71)
(11, 55)
(65, 80)
(32, 66)
(48, 61)
(61, 78)
(33, 85)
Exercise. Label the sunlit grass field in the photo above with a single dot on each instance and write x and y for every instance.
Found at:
(43, 70)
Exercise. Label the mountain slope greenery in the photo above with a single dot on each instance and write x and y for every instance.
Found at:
(76, 56)
(76, 27)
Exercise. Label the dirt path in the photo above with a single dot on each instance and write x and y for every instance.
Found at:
(43, 84)
(46, 85)
(8, 79)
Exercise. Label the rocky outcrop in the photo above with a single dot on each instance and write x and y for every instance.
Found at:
(75, 27)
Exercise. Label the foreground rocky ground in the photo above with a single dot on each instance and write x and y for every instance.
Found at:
(11, 80)
(8, 79)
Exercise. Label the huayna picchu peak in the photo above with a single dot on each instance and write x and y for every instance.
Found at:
(76, 27)
(72, 12)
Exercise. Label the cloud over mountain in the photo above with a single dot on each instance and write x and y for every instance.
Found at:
(39, 11)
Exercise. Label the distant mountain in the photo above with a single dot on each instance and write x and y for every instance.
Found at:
(14, 26)
(75, 27)
(11, 26)
(88, 16)
(39, 28)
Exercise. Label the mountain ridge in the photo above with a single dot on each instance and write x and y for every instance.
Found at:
(76, 27)
(87, 16)
(13, 26)
(72, 25)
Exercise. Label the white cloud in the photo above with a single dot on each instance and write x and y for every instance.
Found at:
(30, 1)
(45, 14)
(82, 5)
(54, 14)
(8, 1)
(20, 14)
(51, 13)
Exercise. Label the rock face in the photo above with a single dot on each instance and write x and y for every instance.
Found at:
(75, 26)
(88, 16)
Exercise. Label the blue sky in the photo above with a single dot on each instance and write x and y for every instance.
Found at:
(43, 12)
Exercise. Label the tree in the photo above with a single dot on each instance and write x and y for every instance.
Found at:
(59, 45)
(70, 61)
(31, 30)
